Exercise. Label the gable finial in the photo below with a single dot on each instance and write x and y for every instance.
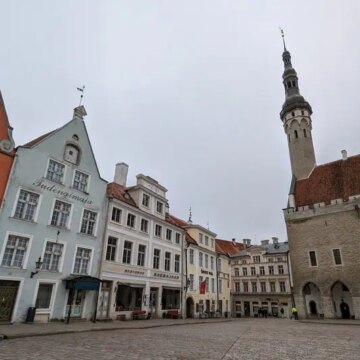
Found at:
(190, 216)
(82, 90)
(283, 37)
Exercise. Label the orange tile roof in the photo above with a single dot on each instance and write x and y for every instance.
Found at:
(228, 247)
(335, 180)
(119, 192)
(181, 223)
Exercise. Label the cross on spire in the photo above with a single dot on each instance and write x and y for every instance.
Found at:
(283, 37)
(82, 90)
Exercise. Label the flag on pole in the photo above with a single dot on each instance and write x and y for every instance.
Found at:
(203, 287)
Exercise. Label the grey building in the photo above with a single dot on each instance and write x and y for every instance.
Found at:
(51, 227)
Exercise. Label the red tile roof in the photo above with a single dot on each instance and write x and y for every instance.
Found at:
(119, 192)
(181, 223)
(38, 139)
(335, 180)
(228, 247)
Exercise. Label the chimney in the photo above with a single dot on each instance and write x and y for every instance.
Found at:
(121, 171)
(275, 240)
(233, 241)
(79, 112)
(167, 208)
(247, 242)
(264, 242)
(344, 154)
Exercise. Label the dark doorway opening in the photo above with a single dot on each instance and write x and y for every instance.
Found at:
(189, 307)
(345, 310)
(313, 308)
(246, 308)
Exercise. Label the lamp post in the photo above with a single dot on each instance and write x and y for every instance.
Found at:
(37, 267)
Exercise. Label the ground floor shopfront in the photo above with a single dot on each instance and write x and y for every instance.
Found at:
(49, 299)
(206, 306)
(262, 306)
(122, 296)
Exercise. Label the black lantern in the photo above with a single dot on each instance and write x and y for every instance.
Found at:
(37, 267)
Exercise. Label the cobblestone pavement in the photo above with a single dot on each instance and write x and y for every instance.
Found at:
(241, 339)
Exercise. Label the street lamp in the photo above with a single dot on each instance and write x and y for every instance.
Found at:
(37, 267)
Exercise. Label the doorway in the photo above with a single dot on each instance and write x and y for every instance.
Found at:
(246, 308)
(75, 303)
(189, 307)
(153, 302)
(105, 299)
(8, 292)
(345, 310)
(313, 308)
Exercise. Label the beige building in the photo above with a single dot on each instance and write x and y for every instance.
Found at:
(322, 217)
(261, 280)
(142, 257)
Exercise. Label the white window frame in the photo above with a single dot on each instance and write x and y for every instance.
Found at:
(55, 284)
(135, 220)
(88, 183)
(161, 231)
(116, 250)
(68, 226)
(142, 200)
(132, 251)
(46, 170)
(121, 215)
(148, 226)
(96, 222)
(16, 201)
(26, 257)
(162, 207)
(145, 254)
(61, 262)
(90, 262)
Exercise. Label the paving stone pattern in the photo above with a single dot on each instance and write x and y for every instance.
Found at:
(248, 339)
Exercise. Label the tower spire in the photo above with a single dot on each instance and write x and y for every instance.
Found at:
(283, 38)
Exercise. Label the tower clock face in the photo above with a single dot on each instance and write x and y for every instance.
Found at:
(71, 154)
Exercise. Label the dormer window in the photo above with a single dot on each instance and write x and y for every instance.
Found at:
(159, 207)
(146, 200)
(72, 154)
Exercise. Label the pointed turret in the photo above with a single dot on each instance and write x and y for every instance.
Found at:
(296, 117)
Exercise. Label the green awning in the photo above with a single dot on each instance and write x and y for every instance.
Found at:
(82, 283)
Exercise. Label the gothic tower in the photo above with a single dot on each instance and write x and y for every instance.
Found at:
(296, 117)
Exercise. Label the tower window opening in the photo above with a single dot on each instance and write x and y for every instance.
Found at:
(293, 113)
(296, 134)
(293, 83)
(304, 130)
(289, 84)
(302, 112)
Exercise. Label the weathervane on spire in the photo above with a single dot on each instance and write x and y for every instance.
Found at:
(190, 216)
(283, 37)
(82, 93)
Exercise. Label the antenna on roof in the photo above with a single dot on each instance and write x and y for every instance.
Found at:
(82, 93)
(190, 216)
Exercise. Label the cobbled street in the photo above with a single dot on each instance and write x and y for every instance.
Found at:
(239, 339)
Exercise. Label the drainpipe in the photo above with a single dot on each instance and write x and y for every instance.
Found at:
(217, 282)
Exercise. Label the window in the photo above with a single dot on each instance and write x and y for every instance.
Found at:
(272, 287)
(302, 112)
(156, 260)
(207, 284)
(237, 287)
(212, 242)
(200, 281)
(219, 264)
(201, 238)
(167, 261)
(60, 215)
(263, 286)
(146, 200)
(116, 215)
(296, 134)
(43, 298)
(177, 263)
(144, 225)
(281, 269)
(81, 181)
(337, 256)
(159, 207)
(141, 255)
(191, 256)
(246, 287)
(237, 272)
(262, 270)
(212, 285)
(254, 287)
(304, 131)
(313, 260)
(131, 221)
(206, 260)
(293, 113)
(168, 234)
(55, 171)
(256, 259)
(200, 259)
(270, 260)
(111, 248)
(282, 286)
(220, 286)
(72, 154)
(88, 222)
(127, 252)
(271, 270)
(211, 263)
(253, 271)
(82, 260)
(177, 238)
(243, 261)
(279, 259)
(158, 230)
(15, 251)
(244, 271)
(191, 282)
(26, 205)
(52, 256)
(206, 240)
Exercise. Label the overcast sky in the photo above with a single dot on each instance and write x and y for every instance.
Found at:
(188, 92)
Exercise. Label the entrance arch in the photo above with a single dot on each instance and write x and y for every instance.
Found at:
(313, 300)
(189, 307)
(342, 300)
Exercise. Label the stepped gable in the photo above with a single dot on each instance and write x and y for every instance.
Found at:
(336, 180)
(119, 192)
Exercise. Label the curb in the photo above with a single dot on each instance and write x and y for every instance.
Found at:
(329, 323)
(76, 331)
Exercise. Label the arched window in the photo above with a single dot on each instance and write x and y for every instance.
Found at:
(289, 84)
(304, 132)
(293, 83)
(293, 113)
(296, 134)
(302, 112)
(75, 137)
